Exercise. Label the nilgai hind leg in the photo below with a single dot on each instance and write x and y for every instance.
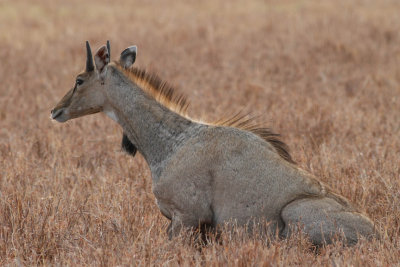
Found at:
(323, 218)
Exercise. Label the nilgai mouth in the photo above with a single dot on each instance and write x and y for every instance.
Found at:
(57, 115)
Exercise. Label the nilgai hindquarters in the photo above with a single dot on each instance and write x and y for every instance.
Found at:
(208, 174)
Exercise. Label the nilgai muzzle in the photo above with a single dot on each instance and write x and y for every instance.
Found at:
(207, 174)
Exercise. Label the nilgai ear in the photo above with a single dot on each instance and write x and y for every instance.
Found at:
(128, 56)
(102, 58)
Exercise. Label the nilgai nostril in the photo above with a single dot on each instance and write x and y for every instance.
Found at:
(207, 174)
(57, 113)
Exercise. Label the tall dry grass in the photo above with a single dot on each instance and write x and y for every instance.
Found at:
(324, 74)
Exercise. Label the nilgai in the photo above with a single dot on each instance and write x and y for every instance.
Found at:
(208, 174)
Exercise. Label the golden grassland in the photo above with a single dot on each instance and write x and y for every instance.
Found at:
(324, 74)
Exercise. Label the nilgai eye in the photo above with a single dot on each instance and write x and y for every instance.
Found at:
(79, 81)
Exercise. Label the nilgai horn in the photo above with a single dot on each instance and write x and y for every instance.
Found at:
(207, 174)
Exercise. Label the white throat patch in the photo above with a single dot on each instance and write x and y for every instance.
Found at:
(111, 115)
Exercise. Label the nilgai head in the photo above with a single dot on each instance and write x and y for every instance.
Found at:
(88, 94)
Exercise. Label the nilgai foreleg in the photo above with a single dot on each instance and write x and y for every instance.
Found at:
(186, 215)
(181, 221)
(185, 203)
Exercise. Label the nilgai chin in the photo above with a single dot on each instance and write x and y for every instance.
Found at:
(208, 174)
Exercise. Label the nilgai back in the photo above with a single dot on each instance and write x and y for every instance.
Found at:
(207, 174)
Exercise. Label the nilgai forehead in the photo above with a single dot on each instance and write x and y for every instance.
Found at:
(83, 74)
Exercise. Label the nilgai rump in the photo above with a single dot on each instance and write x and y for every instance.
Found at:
(208, 173)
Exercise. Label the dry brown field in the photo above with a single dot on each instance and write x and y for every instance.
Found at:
(323, 74)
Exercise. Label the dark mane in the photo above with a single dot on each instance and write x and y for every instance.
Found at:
(242, 121)
(162, 91)
(167, 96)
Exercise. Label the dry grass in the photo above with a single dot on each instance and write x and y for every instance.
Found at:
(325, 74)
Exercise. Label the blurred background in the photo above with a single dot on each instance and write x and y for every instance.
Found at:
(323, 74)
